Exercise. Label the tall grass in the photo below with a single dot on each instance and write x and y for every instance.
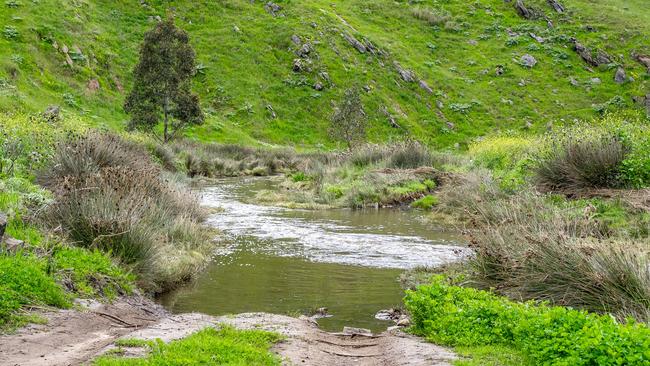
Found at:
(529, 247)
(109, 195)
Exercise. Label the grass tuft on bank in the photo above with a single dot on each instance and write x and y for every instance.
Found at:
(224, 346)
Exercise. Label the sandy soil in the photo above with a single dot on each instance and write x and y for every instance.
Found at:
(75, 337)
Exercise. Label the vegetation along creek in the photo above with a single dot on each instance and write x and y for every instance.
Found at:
(295, 261)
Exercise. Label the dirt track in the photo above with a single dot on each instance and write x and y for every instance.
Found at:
(76, 337)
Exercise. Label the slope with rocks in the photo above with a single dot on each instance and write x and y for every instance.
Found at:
(438, 71)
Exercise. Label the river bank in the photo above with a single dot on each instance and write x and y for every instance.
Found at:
(124, 328)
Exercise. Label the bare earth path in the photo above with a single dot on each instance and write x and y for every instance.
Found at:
(76, 337)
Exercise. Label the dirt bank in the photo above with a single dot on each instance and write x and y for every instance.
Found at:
(75, 337)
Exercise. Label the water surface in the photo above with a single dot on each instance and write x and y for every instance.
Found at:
(292, 261)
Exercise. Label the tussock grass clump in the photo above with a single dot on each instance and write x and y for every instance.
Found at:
(216, 160)
(410, 156)
(431, 16)
(590, 163)
(109, 195)
(529, 246)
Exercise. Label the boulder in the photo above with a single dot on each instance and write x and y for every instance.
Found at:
(304, 50)
(620, 77)
(11, 245)
(318, 86)
(528, 61)
(298, 65)
(296, 40)
(537, 38)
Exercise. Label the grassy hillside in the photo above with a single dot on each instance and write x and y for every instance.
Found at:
(54, 50)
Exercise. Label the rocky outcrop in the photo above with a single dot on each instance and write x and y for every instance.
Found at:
(600, 58)
(523, 11)
(355, 43)
(406, 75)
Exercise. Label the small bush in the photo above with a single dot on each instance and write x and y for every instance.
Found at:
(547, 335)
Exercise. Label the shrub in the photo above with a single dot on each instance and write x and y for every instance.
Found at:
(547, 335)
(367, 155)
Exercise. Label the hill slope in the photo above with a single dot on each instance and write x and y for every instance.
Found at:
(261, 64)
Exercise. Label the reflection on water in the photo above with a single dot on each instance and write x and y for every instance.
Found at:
(285, 260)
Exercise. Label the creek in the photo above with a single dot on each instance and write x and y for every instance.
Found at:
(291, 261)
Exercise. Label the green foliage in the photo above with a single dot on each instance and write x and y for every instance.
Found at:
(546, 335)
(224, 346)
(162, 86)
(23, 281)
(426, 202)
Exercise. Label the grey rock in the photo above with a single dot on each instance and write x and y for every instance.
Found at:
(423, 84)
(296, 40)
(298, 65)
(595, 80)
(528, 60)
(404, 322)
(643, 60)
(355, 43)
(407, 75)
(325, 76)
(451, 126)
(556, 5)
(537, 38)
(271, 111)
(500, 70)
(573, 81)
(3, 225)
(523, 11)
(304, 50)
(318, 86)
(586, 54)
(620, 76)
(272, 8)
(11, 245)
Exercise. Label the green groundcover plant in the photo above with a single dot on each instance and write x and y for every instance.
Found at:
(547, 335)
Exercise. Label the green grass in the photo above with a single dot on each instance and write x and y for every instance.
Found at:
(246, 56)
(426, 202)
(225, 346)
